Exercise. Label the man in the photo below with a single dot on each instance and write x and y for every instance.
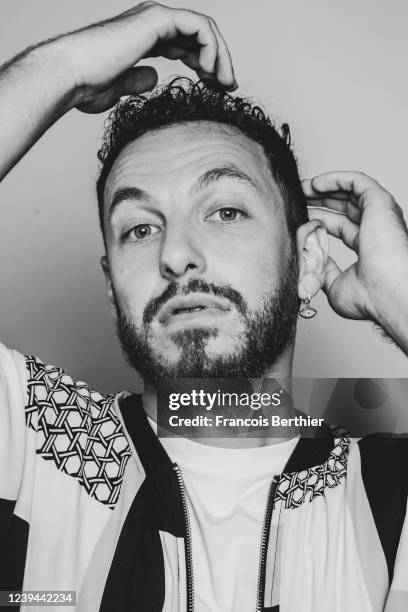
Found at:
(209, 252)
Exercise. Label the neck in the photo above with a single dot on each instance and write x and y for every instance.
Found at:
(229, 413)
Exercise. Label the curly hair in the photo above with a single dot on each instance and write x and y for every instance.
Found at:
(181, 101)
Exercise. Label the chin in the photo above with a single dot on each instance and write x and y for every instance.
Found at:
(210, 341)
(223, 346)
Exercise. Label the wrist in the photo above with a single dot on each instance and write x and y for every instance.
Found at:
(53, 59)
(390, 311)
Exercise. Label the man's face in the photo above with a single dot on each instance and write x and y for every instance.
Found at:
(200, 267)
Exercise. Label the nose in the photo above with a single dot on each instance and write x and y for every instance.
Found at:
(180, 252)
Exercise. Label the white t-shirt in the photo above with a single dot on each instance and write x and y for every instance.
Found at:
(227, 492)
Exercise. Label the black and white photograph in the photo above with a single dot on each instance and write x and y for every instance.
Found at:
(204, 306)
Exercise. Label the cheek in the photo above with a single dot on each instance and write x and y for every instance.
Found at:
(133, 284)
(251, 268)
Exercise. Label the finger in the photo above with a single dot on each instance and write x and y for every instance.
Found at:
(356, 182)
(136, 80)
(175, 45)
(312, 193)
(339, 226)
(178, 50)
(334, 203)
(189, 58)
(132, 81)
(190, 23)
(199, 34)
(209, 50)
(344, 207)
(366, 190)
(224, 68)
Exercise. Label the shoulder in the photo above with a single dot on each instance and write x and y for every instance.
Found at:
(51, 390)
(67, 422)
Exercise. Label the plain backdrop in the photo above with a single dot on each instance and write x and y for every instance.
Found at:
(335, 71)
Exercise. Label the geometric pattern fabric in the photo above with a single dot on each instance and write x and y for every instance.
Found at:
(297, 487)
(77, 429)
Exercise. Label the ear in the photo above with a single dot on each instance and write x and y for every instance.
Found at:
(313, 250)
(108, 283)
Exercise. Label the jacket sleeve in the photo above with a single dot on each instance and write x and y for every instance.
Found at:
(14, 453)
(13, 397)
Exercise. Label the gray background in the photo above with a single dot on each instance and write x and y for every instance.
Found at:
(335, 71)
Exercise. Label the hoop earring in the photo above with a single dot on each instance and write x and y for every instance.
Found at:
(307, 312)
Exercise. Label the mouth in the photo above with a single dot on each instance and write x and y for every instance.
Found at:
(184, 307)
(178, 311)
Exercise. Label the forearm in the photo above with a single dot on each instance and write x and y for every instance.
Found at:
(93, 67)
(36, 89)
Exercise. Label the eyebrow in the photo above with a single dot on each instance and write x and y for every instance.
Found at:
(128, 193)
(208, 178)
(228, 171)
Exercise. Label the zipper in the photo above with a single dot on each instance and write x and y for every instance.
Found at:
(188, 547)
(264, 543)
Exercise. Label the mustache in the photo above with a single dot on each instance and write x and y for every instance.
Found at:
(194, 285)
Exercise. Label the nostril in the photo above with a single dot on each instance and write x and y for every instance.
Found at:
(176, 263)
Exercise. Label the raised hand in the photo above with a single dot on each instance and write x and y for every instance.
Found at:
(359, 211)
(91, 68)
(102, 57)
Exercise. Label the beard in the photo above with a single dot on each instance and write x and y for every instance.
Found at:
(267, 332)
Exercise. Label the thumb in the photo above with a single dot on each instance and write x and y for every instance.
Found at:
(132, 81)
(137, 80)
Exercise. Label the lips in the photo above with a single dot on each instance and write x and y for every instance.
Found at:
(190, 304)
(181, 310)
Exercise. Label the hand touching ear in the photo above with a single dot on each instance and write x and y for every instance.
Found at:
(312, 244)
(358, 211)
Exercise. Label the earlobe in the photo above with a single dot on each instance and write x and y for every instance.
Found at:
(312, 243)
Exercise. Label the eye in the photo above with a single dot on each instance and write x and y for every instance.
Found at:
(142, 231)
(227, 214)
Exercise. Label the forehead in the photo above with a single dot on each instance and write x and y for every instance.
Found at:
(171, 158)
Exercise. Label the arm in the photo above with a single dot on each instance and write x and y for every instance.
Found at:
(359, 211)
(91, 68)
